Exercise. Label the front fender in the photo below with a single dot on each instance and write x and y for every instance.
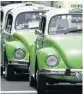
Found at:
(10, 48)
(32, 58)
(43, 53)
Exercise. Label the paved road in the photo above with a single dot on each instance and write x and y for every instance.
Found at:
(21, 83)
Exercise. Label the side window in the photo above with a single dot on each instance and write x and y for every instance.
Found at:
(9, 23)
(1, 16)
(42, 24)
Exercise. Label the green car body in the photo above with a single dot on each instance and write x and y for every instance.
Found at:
(19, 40)
(65, 49)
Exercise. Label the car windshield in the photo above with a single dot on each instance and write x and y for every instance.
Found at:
(66, 23)
(29, 20)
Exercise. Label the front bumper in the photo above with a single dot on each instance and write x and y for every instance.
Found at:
(19, 62)
(77, 73)
(19, 65)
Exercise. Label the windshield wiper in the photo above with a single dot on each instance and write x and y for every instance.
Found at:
(73, 30)
(33, 28)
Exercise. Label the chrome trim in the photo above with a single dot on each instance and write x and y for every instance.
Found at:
(17, 64)
(60, 71)
(19, 61)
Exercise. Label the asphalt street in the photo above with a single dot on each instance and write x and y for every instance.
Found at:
(20, 85)
(20, 82)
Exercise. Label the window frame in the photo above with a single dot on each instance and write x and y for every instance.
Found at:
(7, 23)
(42, 24)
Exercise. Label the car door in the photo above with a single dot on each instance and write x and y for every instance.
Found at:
(6, 34)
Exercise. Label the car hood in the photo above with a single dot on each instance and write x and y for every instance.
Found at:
(28, 37)
(69, 47)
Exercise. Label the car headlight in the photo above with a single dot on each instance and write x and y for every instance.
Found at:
(19, 53)
(52, 60)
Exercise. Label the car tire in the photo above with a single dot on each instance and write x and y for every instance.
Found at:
(41, 84)
(32, 81)
(9, 72)
(1, 71)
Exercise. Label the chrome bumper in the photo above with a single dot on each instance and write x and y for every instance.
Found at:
(62, 72)
(19, 62)
(19, 65)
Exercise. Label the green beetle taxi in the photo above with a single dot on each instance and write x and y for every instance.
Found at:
(56, 56)
(3, 15)
(16, 39)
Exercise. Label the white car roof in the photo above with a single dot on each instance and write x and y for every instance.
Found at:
(7, 8)
(35, 7)
(11, 6)
(57, 11)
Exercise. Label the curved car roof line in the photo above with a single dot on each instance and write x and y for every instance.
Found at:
(18, 10)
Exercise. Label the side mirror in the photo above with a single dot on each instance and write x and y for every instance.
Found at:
(38, 32)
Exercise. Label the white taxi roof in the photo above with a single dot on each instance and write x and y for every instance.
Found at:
(7, 8)
(35, 7)
(57, 11)
(11, 6)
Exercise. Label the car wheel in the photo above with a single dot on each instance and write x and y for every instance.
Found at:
(9, 72)
(32, 81)
(41, 84)
(1, 71)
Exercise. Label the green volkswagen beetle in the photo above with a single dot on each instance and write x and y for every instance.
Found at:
(56, 56)
(16, 39)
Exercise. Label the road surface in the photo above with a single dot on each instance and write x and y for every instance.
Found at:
(20, 85)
